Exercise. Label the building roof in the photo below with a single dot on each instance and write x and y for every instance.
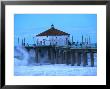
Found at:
(52, 32)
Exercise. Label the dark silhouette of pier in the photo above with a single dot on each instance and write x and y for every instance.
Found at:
(64, 55)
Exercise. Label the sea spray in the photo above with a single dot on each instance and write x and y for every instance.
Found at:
(28, 58)
(32, 57)
(22, 56)
(43, 57)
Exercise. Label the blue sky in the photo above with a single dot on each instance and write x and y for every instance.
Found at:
(29, 25)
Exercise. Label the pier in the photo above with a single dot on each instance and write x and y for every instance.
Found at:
(64, 55)
(55, 47)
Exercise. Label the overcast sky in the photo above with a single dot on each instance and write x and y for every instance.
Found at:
(29, 25)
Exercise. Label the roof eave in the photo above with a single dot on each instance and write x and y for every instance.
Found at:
(52, 35)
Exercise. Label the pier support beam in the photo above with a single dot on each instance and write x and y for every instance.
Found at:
(92, 58)
(64, 60)
(62, 57)
(52, 56)
(57, 56)
(49, 55)
(72, 58)
(76, 58)
(37, 52)
(79, 59)
(84, 58)
(67, 59)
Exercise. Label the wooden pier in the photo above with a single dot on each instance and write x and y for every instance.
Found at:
(64, 55)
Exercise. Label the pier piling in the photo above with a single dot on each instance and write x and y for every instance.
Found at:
(60, 55)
